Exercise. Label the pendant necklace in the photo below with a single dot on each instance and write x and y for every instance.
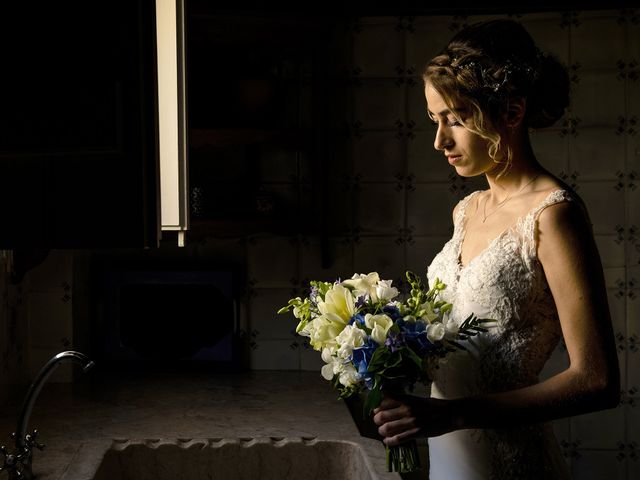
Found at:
(484, 207)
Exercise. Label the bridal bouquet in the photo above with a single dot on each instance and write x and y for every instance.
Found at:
(372, 342)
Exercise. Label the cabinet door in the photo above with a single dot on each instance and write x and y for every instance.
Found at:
(78, 163)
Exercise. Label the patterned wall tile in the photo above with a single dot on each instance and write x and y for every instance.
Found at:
(611, 249)
(53, 273)
(590, 50)
(277, 165)
(599, 429)
(380, 208)
(606, 205)
(379, 156)
(272, 261)
(275, 355)
(377, 48)
(310, 360)
(381, 254)
(339, 253)
(425, 163)
(633, 342)
(339, 206)
(379, 104)
(549, 36)
(421, 251)
(50, 320)
(551, 149)
(598, 464)
(263, 317)
(430, 207)
(598, 97)
(598, 153)
(417, 108)
(430, 35)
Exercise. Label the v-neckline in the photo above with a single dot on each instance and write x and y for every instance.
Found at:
(462, 267)
(463, 233)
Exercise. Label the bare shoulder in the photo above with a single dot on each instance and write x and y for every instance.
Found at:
(564, 225)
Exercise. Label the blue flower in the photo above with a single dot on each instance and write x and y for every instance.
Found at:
(357, 318)
(415, 335)
(361, 357)
(395, 341)
(392, 311)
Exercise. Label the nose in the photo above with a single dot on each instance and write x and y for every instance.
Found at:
(443, 139)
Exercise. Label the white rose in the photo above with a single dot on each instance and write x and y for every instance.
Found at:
(350, 338)
(379, 325)
(349, 375)
(435, 332)
(385, 291)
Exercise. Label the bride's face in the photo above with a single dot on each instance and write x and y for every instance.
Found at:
(468, 152)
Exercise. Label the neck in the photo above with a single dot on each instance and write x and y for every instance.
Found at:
(523, 169)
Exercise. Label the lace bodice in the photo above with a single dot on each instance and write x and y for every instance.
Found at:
(504, 282)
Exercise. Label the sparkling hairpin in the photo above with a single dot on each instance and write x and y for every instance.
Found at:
(510, 67)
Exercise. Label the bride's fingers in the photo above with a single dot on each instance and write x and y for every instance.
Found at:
(400, 437)
(396, 427)
(390, 415)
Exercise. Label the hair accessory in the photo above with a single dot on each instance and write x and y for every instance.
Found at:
(511, 67)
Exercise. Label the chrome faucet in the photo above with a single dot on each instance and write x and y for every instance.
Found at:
(18, 464)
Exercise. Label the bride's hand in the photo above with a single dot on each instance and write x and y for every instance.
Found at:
(404, 417)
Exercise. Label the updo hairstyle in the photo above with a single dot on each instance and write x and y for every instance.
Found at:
(486, 65)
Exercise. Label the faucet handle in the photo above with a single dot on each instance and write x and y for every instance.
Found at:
(30, 440)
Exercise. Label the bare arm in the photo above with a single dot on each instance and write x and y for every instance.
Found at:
(567, 252)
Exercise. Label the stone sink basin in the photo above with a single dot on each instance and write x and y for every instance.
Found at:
(223, 459)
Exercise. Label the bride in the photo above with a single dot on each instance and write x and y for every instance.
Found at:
(522, 253)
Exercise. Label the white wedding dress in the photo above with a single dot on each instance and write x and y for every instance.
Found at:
(504, 282)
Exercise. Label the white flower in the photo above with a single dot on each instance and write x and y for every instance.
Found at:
(348, 375)
(350, 338)
(451, 329)
(384, 290)
(429, 315)
(435, 332)
(379, 325)
(364, 284)
(338, 305)
(322, 331)
(332, 364)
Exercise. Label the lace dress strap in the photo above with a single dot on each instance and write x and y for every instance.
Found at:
(529, 222)
(462, 206)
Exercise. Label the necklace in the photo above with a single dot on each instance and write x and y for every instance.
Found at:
(484, 206)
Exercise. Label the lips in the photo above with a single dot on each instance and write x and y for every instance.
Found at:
(453, 159)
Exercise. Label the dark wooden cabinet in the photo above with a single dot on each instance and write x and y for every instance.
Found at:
(78, 163)
(258, 89)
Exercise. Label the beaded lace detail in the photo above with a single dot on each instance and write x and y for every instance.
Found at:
(504, 282)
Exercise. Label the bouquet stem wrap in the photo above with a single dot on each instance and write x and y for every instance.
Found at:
(403, 458)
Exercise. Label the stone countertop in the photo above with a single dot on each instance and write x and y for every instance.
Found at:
(171, 406)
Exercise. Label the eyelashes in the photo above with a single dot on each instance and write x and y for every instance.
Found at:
(452, 123)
